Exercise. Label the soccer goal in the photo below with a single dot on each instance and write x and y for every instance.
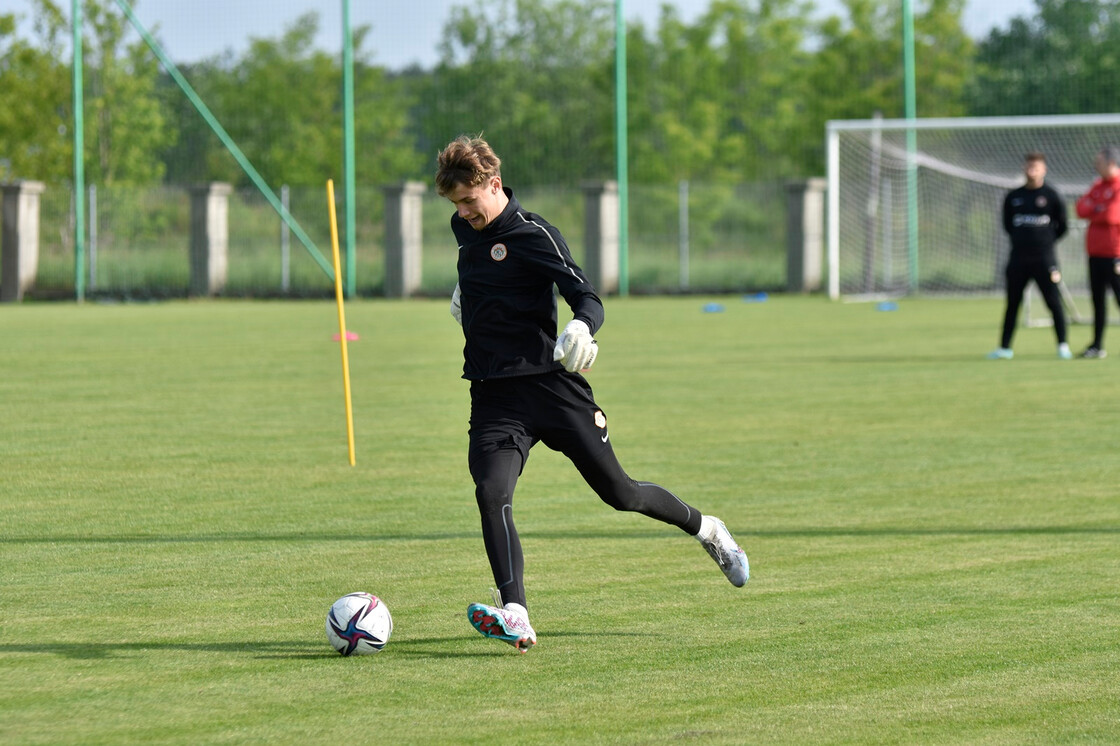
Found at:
(916, 205)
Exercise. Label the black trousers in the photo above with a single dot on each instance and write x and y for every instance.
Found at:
(1104, 272)
(1045, 274)
(511, 415)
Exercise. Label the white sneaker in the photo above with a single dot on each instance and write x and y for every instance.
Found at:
(730, 557)
(510, 624)
(1064, 352)
(1001, 353)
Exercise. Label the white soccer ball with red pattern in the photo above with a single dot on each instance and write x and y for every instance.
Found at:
(359, 624)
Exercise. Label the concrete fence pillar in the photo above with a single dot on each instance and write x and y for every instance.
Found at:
(601, 234)
(209, 238)
(805, 202)
(404, 237)
(19, 245)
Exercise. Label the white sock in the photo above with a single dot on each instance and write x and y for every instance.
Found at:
(517, 608)
(707, 528)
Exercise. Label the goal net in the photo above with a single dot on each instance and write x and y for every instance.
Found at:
(916, 205)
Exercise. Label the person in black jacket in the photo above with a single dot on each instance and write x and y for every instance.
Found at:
(1034, 217)
(526, 383)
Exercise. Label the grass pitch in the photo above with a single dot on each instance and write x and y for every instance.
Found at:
(933, 536)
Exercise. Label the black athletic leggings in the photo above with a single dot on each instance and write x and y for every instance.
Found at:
(508, 417)
(1104, 272)
(1045, 274)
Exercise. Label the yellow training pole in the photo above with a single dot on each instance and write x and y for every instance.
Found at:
(341, 319)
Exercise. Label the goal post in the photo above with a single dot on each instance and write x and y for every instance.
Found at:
(960, 170)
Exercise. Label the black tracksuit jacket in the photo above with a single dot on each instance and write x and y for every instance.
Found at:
(1034, 219)
(506, 276)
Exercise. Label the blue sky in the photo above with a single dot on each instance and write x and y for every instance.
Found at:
(402, 32)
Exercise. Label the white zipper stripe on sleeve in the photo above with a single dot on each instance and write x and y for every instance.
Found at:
(559, 253)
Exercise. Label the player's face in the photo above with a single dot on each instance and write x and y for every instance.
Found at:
(1035, 172)
(479, 205)
(1104, 166)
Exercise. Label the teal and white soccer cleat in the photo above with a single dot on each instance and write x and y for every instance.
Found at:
(510, 624)
(730, 557)
(1001, 353)
(1064, 352)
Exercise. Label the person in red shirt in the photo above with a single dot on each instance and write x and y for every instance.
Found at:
(1101, 207)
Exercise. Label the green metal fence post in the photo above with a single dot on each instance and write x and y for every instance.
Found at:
(911, 142)
(348, 147)
(620, 157)
(79, 157)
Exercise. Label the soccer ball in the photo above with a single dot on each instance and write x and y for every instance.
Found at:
(359, 624)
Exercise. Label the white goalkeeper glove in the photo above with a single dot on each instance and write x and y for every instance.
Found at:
(575, 348)
(457, 305)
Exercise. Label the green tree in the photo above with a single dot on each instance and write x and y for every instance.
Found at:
(34, 100)
(195, 155)
(1064, 60)
(386, 150)
(281, 102)
(536, 78)
(723, 99)
(858, 68)
(124, 126)
(944, 59)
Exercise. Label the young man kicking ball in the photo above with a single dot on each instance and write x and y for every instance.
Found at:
(526, 385)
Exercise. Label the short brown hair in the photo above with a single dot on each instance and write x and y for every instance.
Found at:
(466, 160)
(1035, 155)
